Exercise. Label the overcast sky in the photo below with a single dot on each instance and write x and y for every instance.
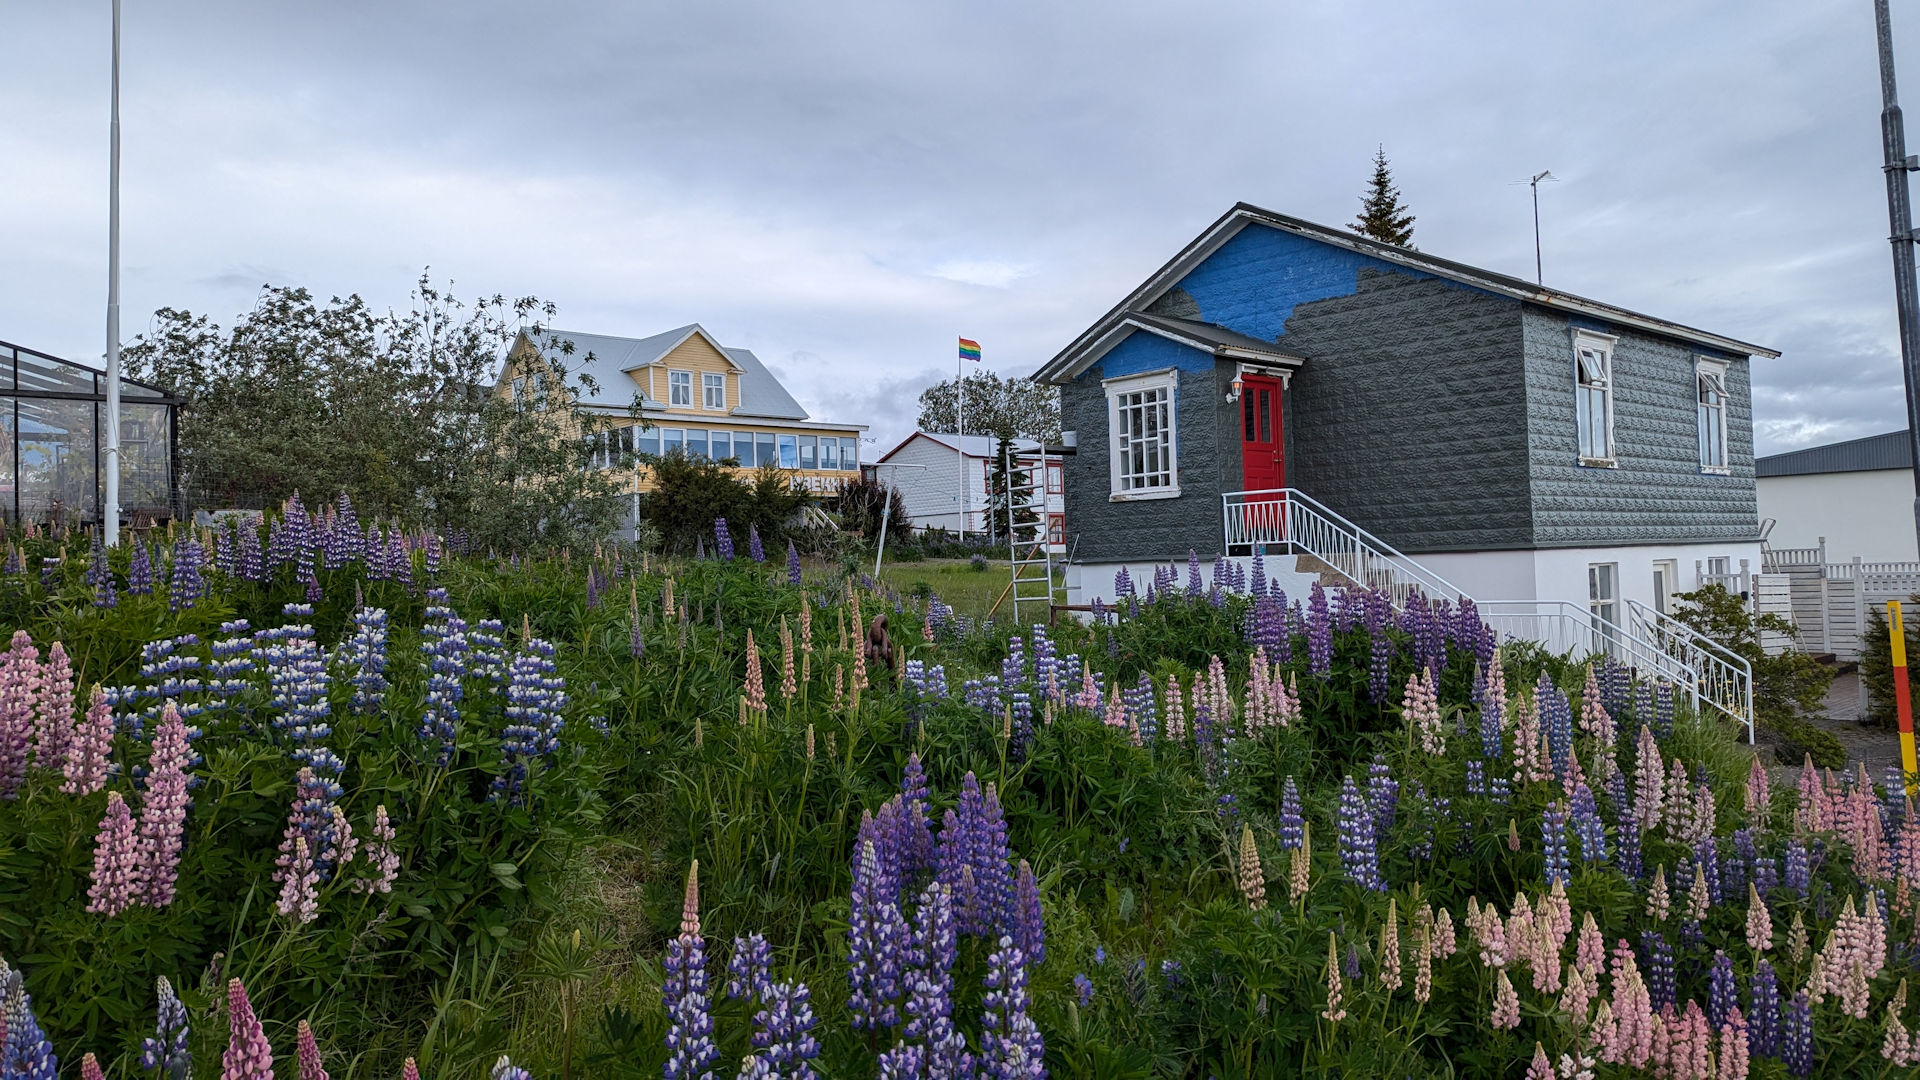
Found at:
(846, 187)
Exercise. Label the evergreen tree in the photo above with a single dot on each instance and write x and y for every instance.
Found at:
(1382, 216)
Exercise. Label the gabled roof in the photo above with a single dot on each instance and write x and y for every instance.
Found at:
(1890, 451)
(977, 446)
(1075, 357)
(612, 360)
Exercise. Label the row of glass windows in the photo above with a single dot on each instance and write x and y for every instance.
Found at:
(1593, 404)
(750, 448)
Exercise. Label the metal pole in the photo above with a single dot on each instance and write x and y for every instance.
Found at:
(960, 434)
(1900, 218)
(110, 512)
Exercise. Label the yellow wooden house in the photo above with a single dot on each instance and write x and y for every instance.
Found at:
(697, 396)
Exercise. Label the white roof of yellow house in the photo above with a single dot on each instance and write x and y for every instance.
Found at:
(611, 362)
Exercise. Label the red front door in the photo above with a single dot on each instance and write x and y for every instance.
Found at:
(1262, 450)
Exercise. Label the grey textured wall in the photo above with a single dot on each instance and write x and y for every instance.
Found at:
(1100, 530)
(1657, 492)
(1408, 417)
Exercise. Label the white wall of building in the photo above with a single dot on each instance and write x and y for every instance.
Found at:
(932, 493)
(1868, 514)
(1561, 573)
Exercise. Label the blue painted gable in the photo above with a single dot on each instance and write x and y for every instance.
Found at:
(1253, 283)
(1141, 351)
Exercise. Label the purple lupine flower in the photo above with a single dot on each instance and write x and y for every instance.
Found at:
(365, 654)
(1319, 633)
(505, 1069)
(1705, 853)
(1356, 838)
(1763, 1010)
(684, 994)
(783, 1031)
(1587, 827)
(1799, 874)
(1658, 956)
(1011, 1045)
(1553, 834)
(1293, 825)
(25, 1053)
(1796, 1036)
(915, 839)
(1027, 926)
(117, 872)
(723, 540)
(1122, 583)
(878, 942)
(755, 550)
(1663, 711)
(297, 689)
(1194, 585)
(1383, 798)
(1492, 713)
(140, 571)
(167, 1051)
(1380, 648)
(536, 694)
(100, 576)
(793, 565)
(444, 653)
(187, 586)
(1257, 583)
(163, 814)
(1148, 716)
(1083, 988)
(929, 1006)
(1628, 839)
(1556, 718)
(1476, 777)
(1766, 874)
(1722, 995)
(974, 840)
(748, 973)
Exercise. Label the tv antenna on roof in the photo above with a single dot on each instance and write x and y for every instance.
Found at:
(1534, 183)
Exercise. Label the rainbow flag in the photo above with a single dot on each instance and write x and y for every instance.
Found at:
(969, 350)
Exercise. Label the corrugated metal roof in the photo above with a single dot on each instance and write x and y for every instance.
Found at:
(609, 359)
(977, 446)
(1889, 451)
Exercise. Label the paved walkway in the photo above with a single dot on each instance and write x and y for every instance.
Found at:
(1872, 745)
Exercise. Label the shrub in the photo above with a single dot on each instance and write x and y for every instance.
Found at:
(689, 494)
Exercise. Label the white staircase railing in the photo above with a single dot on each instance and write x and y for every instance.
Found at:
(1283, 520)
(1722, 677)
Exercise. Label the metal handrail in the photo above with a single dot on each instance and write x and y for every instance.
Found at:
(1723, 676)
(1288, 517)
(1582, 628)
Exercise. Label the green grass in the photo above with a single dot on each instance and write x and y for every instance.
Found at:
(968, 591)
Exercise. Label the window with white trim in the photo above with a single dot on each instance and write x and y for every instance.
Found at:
(1593, 396)
(1145, 449)
(1710, 378)
(1603, 595)
(713, 390)
(680, 388)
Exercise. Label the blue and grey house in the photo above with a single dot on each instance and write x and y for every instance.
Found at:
(1399, 418)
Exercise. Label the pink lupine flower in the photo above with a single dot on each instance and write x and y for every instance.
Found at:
(1811, 813)
(1680, 818)
(1089, 696)
(1445, 941)
(248, 1056)
(1390, 947)
(345, 844)
(1334, 1012)
(54, 728)
(1259, 708)
(1577, 997)
(1177, 713)
(1759, 921)
(1116, 713)
(19, 700)
(1594, 721)
(1899, 1047)
(307, 1052)
(1423, 961)
(409, 1071)
(1733, 1056)
(1905, 857)
(91, 749)
(163, 815)
(1658, 902)
(1422, 710)
(1541, 1068)
(1287, 698)
(90, 1068)
(380, 853)
(1217, 693)
(1649, 782)
(117, 873)
(1591, 951)
(1690, 1046)
(299, 885)
(1630, 1011)
(1529, 756)
(756, 680)
(1506, 1004)
(1758, 791)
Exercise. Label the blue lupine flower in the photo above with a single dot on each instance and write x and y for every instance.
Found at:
(1763, 1011)
(690, 1020)
(783, 1031)
(1011, 1044)
(793, 565)
(26, 1054)
(723, 540)
(444, 653)
(1292, 824)
(748, 971)
(1356, 838)
(365, 654)
(1319, 633)
(1083, 988)
(167, 1051)
(1553, 834)
(535, 697)
(878, 943)
(1658, 956)
(1796, 1036)
(140, 571)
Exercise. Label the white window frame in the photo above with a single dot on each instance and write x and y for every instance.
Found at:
(1593, 394)
(1603, 596)
(1128, 486)
(1666, 582)
(676, 382)
(1710, 376)
(710, 382)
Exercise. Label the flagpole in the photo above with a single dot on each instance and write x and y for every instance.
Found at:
(110, 512)
(960, 435)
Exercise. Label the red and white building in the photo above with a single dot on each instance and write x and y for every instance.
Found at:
(927, 468)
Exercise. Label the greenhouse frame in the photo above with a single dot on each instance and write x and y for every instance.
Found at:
(52, 452)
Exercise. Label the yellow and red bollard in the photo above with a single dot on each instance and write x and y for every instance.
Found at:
(1903, 702)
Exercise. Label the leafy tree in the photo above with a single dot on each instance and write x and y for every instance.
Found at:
(860, 503)
(1004, 408)
(1382, 216)
(395, 410)
(688, 494)
(1788, 687)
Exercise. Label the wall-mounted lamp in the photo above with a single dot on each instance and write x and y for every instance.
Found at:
(1237, 387)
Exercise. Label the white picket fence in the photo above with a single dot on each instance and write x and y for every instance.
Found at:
(1831, 602)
